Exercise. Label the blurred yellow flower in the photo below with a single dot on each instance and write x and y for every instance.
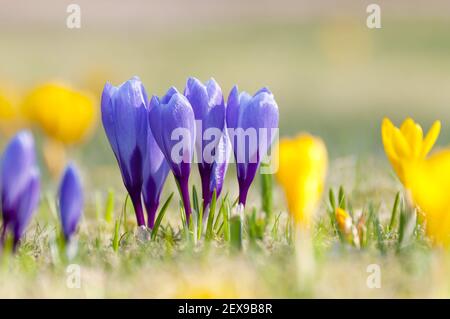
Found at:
(301, 172)
(406, 144)
(429, 184)
(63, 113)
(344, 220)
(10, 117)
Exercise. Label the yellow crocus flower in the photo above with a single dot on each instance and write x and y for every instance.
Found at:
(406, 144)
(429, 184)
(302, 167)
(10, 117)
(344, 220)
(64, 114)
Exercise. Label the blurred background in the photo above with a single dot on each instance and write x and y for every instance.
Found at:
(330, 73)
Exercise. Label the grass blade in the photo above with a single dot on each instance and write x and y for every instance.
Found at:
(212, 212)
(109, 206)
(161, 216)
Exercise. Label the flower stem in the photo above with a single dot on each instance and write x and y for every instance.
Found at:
(151, 214)
(137, 204)
(183, 186)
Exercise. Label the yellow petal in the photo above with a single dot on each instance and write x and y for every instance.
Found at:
(413, 135)
(401, 146)
(431, 138)
(387, 129)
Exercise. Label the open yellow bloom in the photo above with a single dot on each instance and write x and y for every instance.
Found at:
(64, 114)
(406, 144)
(302, 167)
(429, 184)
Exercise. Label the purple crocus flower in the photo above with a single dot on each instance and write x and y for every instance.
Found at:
(71, 201)
(20, 185)
(125, 120)
(209, 110)
(173, 125)
(252, 122)
(155, 174)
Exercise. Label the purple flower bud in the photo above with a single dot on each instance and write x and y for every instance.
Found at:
(209, 110)
(71, 201)
(173, 125)
(252, 122)
(220, 165)
(20, 185)
(124, 117)
(155, 174)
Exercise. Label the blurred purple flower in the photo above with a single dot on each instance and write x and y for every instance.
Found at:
(124, 117)
(173, 125)
(209, 110)
(20, 185)
(71, 201)
(256, 116)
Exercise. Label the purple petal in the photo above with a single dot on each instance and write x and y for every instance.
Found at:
(18, 163)
(174, 119)
(28, 202)
(209, 110)
(155, 174)
(71, 201)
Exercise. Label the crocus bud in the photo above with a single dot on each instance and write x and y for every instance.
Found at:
(71, 201)
(219, 169)
(301, 172)
(20, 185)
(209, 110)
(155, 174)
(252, 123)
(125, 120)
(173, 125)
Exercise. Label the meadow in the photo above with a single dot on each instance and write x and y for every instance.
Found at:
(331, 77)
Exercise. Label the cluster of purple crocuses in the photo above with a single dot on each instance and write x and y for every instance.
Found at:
(20, 190)
(149, 137)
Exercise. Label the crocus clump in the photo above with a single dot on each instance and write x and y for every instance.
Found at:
(254, 117)
(71, 201)
(209, 110)
(20, 185)
(172, 123)
(125, 120)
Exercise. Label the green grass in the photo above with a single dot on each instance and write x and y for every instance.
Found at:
(230, 259)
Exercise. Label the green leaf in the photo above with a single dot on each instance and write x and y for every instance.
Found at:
(160, 217)
(226, 222)
(267, 192)
(394, 212)
(116, 237)
(341, 197)
(236, 232)
(109, 206)
(212, 212)
(275, 227)
(332, 199)
(378, 230)
(195, 198)
(200, 223)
